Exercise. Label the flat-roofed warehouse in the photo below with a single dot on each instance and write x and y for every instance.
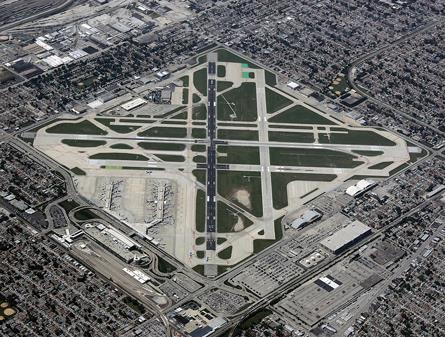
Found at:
(346, 237)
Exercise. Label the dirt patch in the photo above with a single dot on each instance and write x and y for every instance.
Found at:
(242, 197)
(239, 226)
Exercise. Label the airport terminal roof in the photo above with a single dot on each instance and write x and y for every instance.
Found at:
(345, 236)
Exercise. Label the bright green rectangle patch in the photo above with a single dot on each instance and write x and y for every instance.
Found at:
(245, 65)
(246, 74)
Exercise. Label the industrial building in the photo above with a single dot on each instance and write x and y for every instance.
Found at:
(306, 218)
(360, 187)
(133, 104)
(346, 237)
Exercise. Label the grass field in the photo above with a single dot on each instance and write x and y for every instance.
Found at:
(311, 157)
(238, 104)
(78, 171)
(167, 132)
(195, 98)
(185, 96)
(162, 146)
(221, 71)
(270, 78)
(238, 155)
(199, 133)
(226, 253)
(200, 211)
(170, 157)
(229, 182)
(237, 134)
(121, 146)
(368, 153)
(223, 85)
(227, 218)
(355, 137)
(119, 156)
(300, 115)
(259, 245)
(200, 240)
(85, 215)
(117, 128)
(275, 101)
(185, 80)
(280, 180)
(80, 128)
(200, 175)
(198, 148)
(199, 159)
(83, 142)
(199, 112)
(291, 137)
(227, 56)
(200, 81)
(381, 165)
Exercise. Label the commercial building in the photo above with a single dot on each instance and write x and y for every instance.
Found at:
(346, 237)
(133, 104)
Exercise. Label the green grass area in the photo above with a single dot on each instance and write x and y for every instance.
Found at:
(199, 159)
(198, 148)
(276, 101)
(167, 132)
(199, 112)
(85, 215)
(162, 146)
(238, 155)
(229, 182)
(220, 241)
(80, 128)
(259, 245)
(119, 156)
(223, 85)
(78, 171)
(68, 205)
(170, 157)
(200, 211)
(237, 134)
(199, 241)
(270, 78)
(185, 80)
(199, 133)
(280, 180)
(311, 157)
(339, 85)
(121, 146)
(117, 128)
(134, 304)
(200, 81)
(294, 127)
(248, 74)
(252, 320)
(239, 102)
(299, 114)
(200, 254)
(368, 153)
(355, 137)
(291, 137)
(200, 175)
(164, 266)
(416, 156)
(195, 98)
(83, 142)
(221, 71)
(227, 218)
(182, 115)
(226, 253)
(136, 120)
(381, 165)
(227, 56)
(185, 96)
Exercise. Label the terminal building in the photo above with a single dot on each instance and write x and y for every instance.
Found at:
(346, 237)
